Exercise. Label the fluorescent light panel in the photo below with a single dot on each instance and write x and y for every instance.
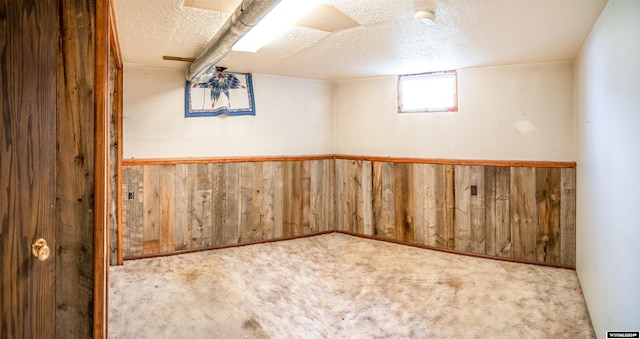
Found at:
(284, 15)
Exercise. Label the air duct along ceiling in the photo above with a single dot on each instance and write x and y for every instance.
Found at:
(247, 15)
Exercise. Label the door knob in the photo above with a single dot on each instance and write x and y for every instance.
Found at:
(40, 250)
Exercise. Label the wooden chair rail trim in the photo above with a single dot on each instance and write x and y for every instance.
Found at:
(176, 161)
(467, 162)
(446, 250)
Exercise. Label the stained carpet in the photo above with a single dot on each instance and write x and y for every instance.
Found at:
(339, 286)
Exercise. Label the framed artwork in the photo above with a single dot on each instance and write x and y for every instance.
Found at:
(225, 93)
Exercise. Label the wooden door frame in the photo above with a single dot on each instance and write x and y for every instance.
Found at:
(106, 41)
(114, 42)
(100, 221)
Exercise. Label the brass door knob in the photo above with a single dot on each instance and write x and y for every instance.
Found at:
(40, 250)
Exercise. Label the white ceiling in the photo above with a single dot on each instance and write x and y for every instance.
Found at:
(467, 33)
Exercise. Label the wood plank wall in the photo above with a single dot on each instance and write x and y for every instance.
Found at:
(183, 206)
(28, 49)
(113, 157)
(518, 212)
(525, 213)
(75, 160)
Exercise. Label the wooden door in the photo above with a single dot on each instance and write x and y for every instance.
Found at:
(28, 49)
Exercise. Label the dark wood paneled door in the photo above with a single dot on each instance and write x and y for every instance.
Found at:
(28, 50)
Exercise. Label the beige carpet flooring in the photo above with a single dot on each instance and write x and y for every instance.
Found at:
(339, 286)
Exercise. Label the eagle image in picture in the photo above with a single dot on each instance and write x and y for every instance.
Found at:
(220, 82)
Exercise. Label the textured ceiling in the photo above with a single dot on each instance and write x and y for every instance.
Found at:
(467, 33)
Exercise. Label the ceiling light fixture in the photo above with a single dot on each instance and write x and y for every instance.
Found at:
(425, 17)
(284, 15)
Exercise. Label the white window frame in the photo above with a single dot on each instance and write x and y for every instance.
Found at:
(430, 75)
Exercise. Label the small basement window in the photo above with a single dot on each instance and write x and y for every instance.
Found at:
(428, 92)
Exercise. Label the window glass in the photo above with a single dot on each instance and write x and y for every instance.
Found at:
(427, 92)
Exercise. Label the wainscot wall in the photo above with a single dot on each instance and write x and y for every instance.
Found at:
(186, 204)
(523, 211)
(518, 210)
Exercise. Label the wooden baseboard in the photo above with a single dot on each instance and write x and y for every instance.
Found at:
(266, 241)
(446, 250)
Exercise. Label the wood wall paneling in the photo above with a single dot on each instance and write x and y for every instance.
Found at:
(568, 216)
(201, 217)
(287, 198)
(445, 204)
(182, 208)
(349, 195)
(403, 202)
(477, 210)
(339, 189)
(151, 210)
(463, 209)
(114, 188)
(74, 249)
(133, 210)
(294, 208)
(524, 219)
(517, 212)
(219, 184)
(296, 199)
(420, 206)
(188, 206)
(120, 79)
(548, 210)
(271, 200)
(232, 202)
(497, 184)
(316, 197)
(321, 195)
(305, 192)
(433, 210)
(167, 230)
(246, 227)
(28, 49)
(383, 199)
(470, 209)
(257, 192)
(101, 170)
(365, 199)
(450, 205)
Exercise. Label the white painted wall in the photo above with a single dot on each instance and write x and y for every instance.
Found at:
(519, 112)
(293, 117)
(608, 161)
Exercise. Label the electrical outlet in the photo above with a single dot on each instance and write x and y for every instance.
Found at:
(131, 195)
(474, 190)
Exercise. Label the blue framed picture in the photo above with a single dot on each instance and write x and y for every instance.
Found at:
(225, 93)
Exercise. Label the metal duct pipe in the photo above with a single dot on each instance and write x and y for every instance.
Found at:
(247, 15)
